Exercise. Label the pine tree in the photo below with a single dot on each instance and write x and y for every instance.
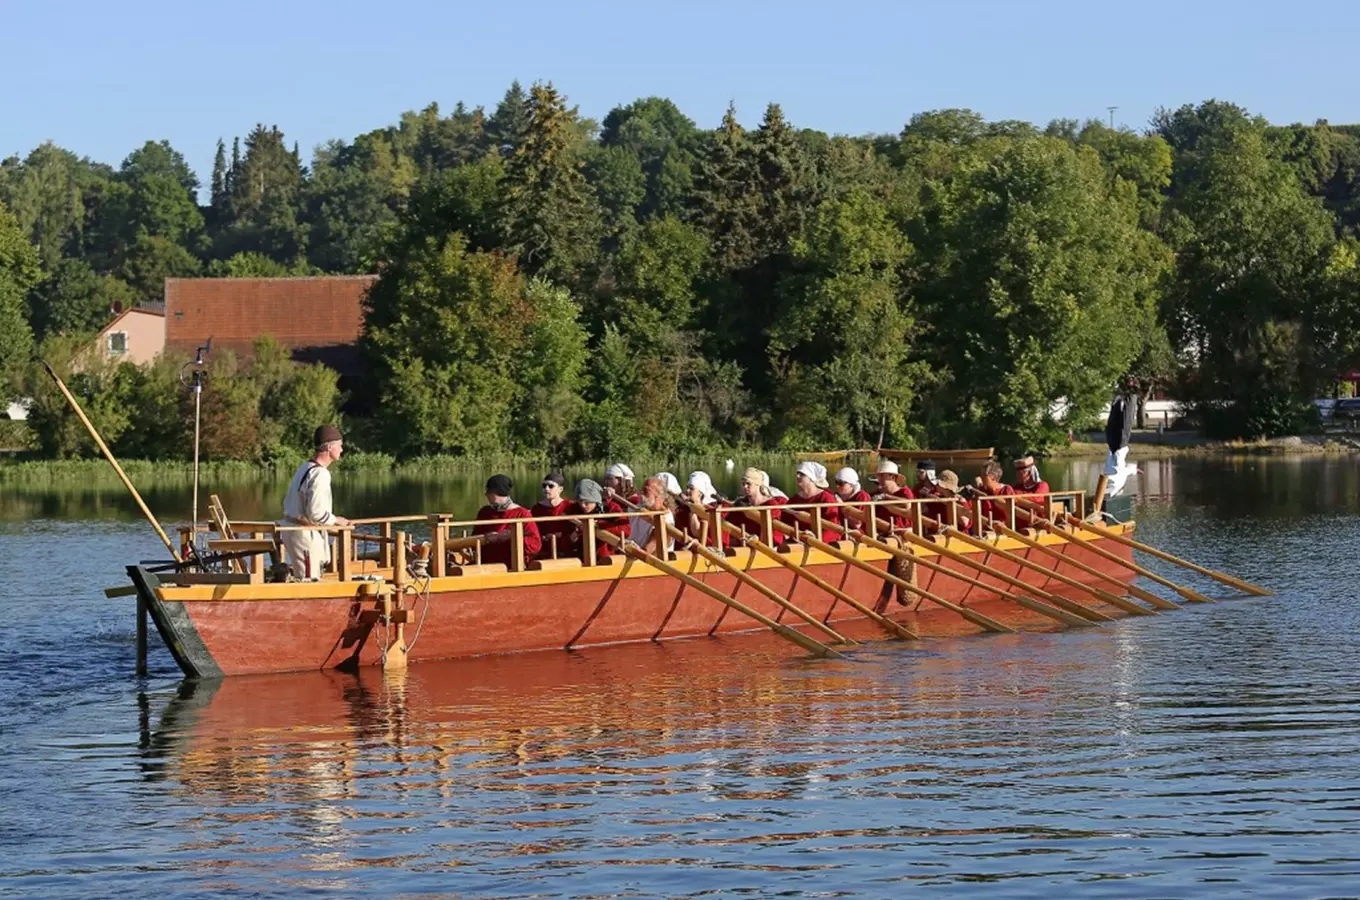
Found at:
(220, 188)
(507, 126)
(726, 206)
(781, 170)
(550, 217)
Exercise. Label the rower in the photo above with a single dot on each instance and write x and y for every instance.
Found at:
(497, 532)
(657, 499)
(848, 488)
(925, 478)
(946, 488)
(891, 488)
(1027, 476)
(552, 504)
(618, 479)
(757, 492)
(308, 502)
(810, 478)
(699, 490)
(589, 501)
(989, 484)
(670, 483)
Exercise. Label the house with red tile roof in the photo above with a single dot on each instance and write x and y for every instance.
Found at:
(318, 318)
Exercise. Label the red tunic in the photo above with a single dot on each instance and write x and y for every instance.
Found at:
(752, 525)
(683, 515)
(831, 515)
(998, 510)
(500, 553)
(895, 519)
(614, 525)
(549, 530)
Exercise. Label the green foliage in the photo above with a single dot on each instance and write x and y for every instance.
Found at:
(19, 271)
(102, 387)
(549, 218)
(445, 333)
(657, 287)
(1040, 286)
(841, 347)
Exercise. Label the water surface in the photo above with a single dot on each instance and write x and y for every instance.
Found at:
(1208, 751)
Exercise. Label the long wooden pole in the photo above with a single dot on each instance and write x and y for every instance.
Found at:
(1135, 590)
(104, 448)
(783, 602)
(1188, 593)
(758, 586)
(1051, 603)
(971, 615)
(1054, 608)
(1122, 602)
(887, 624)
(1220, 577)
(789, 634)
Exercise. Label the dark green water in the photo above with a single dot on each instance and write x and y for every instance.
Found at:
(1209, 751)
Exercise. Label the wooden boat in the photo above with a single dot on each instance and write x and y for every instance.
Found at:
(367, 610)
(976, 455)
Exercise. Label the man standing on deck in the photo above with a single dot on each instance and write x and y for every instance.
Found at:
(308, 502)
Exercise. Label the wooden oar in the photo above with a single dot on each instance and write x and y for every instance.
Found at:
(1123, 603)
(104, 448)
(896, 628)
(809, 644)
(1188, 593)
(1220, 577)
(1140, 593)
(971, 615)
(1052, 605)
(716, 559)
(1054, 610)
(755, 583)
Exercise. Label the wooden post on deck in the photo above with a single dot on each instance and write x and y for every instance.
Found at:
(517, 548)
(344, 547)
(438, 550)
(588, 551)
(385, 548)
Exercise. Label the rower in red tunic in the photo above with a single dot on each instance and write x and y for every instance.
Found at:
(891, 488)
(756, 491)
(618, 480)
(989, 484)
(1027, 476)
(849, 491)
(497, 533)
(552, 504)
(699, 491)
(589, 501)
(812, 487)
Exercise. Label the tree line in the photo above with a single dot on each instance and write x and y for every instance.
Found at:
(549, 283)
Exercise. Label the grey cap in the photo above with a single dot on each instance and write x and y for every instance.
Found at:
(588, 491)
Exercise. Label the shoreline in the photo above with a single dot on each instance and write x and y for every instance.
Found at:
(1169, 445)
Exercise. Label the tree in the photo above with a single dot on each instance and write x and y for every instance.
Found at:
(509, 122)
(841, 345)
(151, 260)
(265, 199)
(445, 330)
(552, 370)
(1251, 263)
(727, 207)
(221, 187)
(75, 299)
(549, 218)
(19, 271)
(47, 193)
(1039, 286)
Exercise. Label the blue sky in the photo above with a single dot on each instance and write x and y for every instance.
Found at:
(101, 78)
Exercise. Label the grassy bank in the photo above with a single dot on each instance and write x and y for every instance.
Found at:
(38, 473)
(1173, 444)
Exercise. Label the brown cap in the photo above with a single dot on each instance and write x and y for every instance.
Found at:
(325, 434)
(949, 481)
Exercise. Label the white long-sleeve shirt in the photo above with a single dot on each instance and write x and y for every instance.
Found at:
(308, 502)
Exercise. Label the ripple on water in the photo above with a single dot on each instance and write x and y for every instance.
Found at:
(1205, 751)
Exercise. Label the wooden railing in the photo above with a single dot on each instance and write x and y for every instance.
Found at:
(448, 535)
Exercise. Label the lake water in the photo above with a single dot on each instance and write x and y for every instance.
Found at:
(1212, 750)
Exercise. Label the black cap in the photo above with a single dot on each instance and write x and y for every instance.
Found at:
(325, 434)
(557, 478)
(922, 464)
(500, 485)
